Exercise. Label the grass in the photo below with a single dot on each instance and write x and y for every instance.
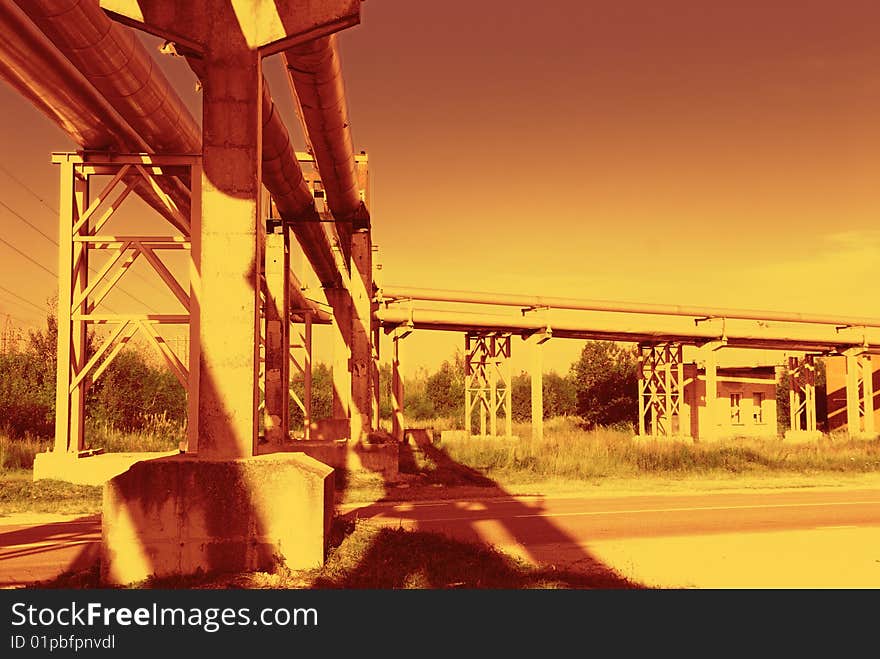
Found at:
(20, 494)
(363, 556)
(568, 452)
(160, 435)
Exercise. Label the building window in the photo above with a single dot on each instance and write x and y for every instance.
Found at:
(735, 409)
(758, 407)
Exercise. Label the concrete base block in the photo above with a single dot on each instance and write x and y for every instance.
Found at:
(89, 469)
(379, 458)
(180, 515)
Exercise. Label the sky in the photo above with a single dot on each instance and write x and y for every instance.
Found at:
(682, 152)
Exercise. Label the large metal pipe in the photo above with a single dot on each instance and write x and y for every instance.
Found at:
(112, 58)
(537, 302)
(315, 73)
(608, 326)
(33, 66)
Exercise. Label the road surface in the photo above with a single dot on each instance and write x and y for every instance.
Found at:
(799, 539)
(763, 539)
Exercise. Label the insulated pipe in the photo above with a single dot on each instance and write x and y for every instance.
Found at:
(537, 302)
(315, 73)
(115, 62)
(284, 180)
(606, 327)
(32, 65)
(112, 58)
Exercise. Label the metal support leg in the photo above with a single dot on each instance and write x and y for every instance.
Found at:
(397, 419)
(852, 395)
(537, 377)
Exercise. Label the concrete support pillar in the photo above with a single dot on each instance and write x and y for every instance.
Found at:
(276, 420)
(537, 377)
(340, 300)
(711, 429)
(228, 279)
(852, 395)
(810, 394)
(361, 334)
(397, 418)
(508, 399)
(868, 393)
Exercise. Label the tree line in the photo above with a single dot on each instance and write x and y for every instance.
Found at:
(600, 388)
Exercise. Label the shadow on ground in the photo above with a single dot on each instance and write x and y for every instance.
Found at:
(367, 554)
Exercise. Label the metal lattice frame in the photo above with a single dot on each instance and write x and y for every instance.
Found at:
(81, 218)
(860, 395)
(661, 390)
(802, 393)
(488, 381)
(301, 365)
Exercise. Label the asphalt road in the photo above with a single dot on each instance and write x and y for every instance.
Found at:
(791, 539)
(805, 538)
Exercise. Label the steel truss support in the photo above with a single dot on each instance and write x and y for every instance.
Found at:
(661, 390)
(301, 366)
(275, 334)
(82, 216)
(802, 393)
(859, 395)
(488, 381)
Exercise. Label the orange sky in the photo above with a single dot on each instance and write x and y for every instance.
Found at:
(684, 152)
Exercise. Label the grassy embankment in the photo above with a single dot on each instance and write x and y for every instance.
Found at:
(568, 456)
(18, 492)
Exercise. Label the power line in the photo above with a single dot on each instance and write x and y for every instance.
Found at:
(28, 188)
(32, 260)
(16, 295)
(31, 225)
(55, 242)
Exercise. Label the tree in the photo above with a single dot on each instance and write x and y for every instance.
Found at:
(445, 388)
(605, 380)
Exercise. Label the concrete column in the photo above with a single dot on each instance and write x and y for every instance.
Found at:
(228, 274)
(361, 334)
(508, 397)
(711, 430)
(276, 418)
(340, 300)
(852, 395)
(810, 394)
(537, 377)
(397, 393)
(868, 393)
(195, 259)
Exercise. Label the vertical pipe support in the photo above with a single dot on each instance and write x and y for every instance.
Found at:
(71, 341)
(537, 378)
(397, 393)
(852, 395)
(868, 394)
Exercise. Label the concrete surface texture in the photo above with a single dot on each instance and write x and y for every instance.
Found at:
(180, 515)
